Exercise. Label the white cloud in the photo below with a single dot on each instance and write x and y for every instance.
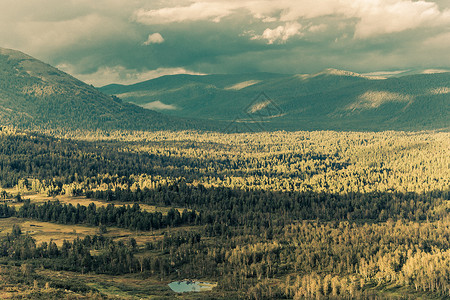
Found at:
(373, 17)
(269, 19)
(370, 17)
(155, 38)
(390, 16)
(441, 41)
(60, 34)
(42, 27)
(212, 11)
(121, 75)
(94, 34)
(317, 28)
(280, 34)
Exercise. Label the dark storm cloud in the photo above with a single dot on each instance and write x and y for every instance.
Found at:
(108, 41)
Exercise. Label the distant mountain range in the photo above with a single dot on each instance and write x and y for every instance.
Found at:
(329, 100)
(36, 95)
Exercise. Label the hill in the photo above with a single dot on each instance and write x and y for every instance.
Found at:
(329, 100)
(36, 95)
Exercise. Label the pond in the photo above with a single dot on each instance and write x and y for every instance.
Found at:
(191, 286)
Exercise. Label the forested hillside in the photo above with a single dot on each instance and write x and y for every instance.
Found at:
(265, 215)
(329, 100)
(34, 95)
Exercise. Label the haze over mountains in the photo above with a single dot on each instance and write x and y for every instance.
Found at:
(332, 99)
(34, 94)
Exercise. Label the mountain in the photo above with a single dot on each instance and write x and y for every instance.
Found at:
(36, 95)
(329, 100)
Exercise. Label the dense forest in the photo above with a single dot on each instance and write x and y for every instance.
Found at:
(326, 161)
(36, 95)
(265, 215)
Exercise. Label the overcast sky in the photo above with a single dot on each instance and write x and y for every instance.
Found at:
(126, 41)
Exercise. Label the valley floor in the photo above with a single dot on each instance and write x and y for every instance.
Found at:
(325, 215)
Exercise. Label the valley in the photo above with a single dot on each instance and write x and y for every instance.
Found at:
(307, 214)
(333, 185)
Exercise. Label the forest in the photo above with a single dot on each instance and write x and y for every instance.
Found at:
(286, 215)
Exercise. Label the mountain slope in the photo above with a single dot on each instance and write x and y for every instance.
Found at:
(332, 99)
(36, 95)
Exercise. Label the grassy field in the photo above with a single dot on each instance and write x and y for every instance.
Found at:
(130, 287)
(93, 286)
(71, 285)
(123, 287)
(45, 231)
(83, 201)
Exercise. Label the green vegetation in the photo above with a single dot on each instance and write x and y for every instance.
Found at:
(35, 95)
(125, 216)
(265, 215)
(329, 100)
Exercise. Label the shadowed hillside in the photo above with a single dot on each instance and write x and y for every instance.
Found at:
(36, 95)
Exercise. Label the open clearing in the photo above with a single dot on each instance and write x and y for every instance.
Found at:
(83, 201)
(46, 232)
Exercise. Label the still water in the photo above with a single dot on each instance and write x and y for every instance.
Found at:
(190, 286)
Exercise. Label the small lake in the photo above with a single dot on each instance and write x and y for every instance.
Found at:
(191, 286)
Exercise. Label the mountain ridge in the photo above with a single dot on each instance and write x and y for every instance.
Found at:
(34, 94)
(328, 100)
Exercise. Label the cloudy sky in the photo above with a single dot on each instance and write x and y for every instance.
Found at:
(126, 41)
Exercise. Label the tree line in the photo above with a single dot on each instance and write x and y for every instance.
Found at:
(241, 207)
(130, 217)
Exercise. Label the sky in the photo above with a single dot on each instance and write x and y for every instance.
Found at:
(127, 41)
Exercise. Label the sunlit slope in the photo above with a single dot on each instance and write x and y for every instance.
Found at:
(332, 99)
